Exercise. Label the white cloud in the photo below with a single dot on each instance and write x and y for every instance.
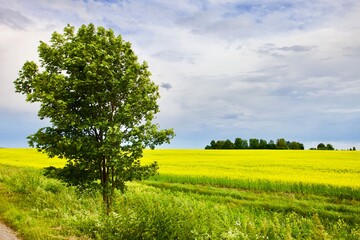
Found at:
(262, 68)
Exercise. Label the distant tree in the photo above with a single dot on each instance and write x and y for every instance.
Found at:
(271, 145)
(100, 102)
(219, 144)
(302, 147)
(329, 147)
(228, 144)
(240, 143)
(254, 143)
(213, 144)
(281, 144)
(321, 146)
(263, 144)
(296, 146)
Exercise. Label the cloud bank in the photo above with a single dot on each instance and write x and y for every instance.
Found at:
(226, 69)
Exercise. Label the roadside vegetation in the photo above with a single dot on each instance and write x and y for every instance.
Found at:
(182, 205)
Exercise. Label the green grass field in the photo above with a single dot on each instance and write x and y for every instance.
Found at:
(198, 194)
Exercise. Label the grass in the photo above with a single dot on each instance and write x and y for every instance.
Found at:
(179, 204)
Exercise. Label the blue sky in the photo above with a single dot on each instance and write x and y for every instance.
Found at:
(226, 69)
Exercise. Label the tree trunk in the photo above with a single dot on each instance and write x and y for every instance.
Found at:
(105, 186)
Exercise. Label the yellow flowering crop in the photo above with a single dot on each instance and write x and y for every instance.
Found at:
(339, 168)
(27, 157)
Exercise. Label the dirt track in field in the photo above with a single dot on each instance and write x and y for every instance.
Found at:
(7, 233)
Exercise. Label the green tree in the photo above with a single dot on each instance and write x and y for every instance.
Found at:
(219, 144)
(240, 143)
(321, 146)
(329, 147)
(100, 102)
(271, 145)
(228, 144)
(294, 145)
(254, 143)
(263, 144)
(281, 144)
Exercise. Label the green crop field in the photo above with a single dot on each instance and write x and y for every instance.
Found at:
(198, 194)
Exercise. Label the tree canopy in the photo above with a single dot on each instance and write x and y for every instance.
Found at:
(322, 146)
(255, 143)
(101, 104)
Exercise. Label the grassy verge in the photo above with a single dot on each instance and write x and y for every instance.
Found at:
(41, 208)
(264, 185)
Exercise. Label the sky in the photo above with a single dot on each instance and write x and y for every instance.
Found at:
(226, 69)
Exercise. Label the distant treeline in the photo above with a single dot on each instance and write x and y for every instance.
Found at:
(254, 143)
(322, 146)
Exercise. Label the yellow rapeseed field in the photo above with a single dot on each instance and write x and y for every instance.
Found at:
(27, 157)
(339, 168)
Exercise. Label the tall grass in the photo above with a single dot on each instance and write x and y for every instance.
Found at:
(43, 208)
(264, 185)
